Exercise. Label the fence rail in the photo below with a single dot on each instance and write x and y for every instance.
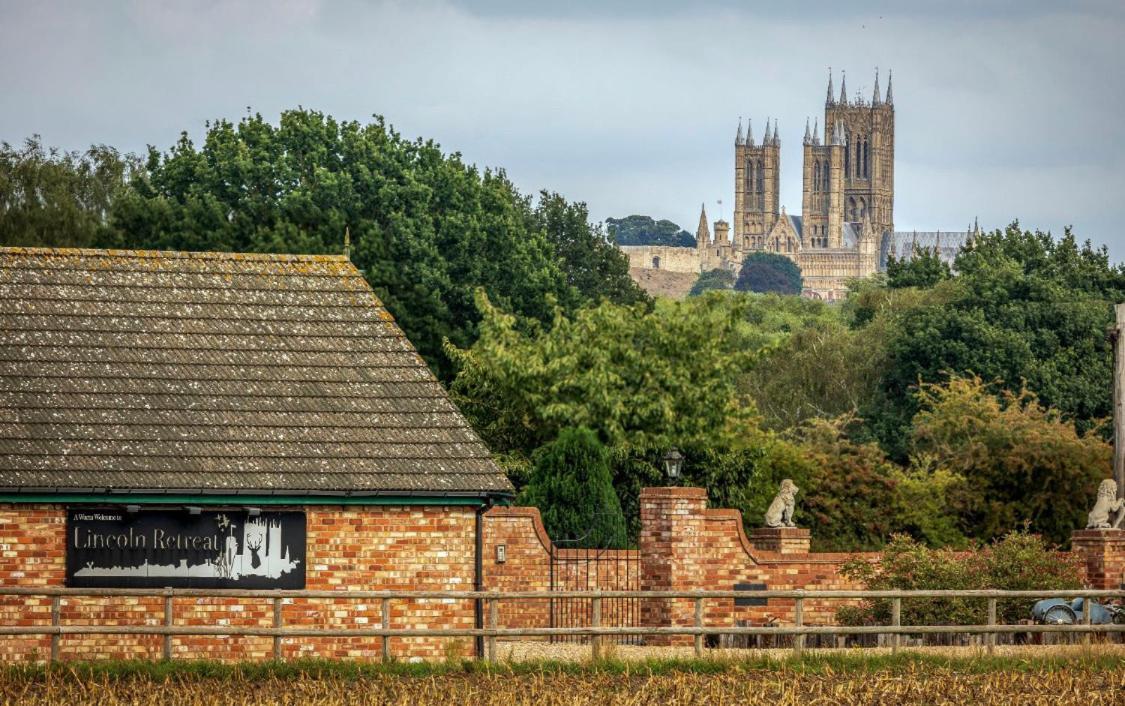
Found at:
(595, 631)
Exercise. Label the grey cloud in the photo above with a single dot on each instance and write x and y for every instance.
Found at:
(1004, 109)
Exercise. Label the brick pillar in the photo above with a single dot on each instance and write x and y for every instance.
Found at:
(1104, 552)
(671, 552)
(783, 540)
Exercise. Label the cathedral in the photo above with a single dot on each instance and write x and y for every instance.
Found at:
(846, 226)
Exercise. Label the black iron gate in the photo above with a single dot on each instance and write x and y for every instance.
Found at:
(579, 569)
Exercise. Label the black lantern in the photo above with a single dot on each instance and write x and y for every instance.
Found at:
(673, 463)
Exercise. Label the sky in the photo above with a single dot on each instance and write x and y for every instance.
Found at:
(1004, 109)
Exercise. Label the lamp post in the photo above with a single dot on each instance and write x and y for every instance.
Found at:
(673, 464)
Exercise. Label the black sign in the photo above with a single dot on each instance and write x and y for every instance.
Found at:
(742, 602)
(112, 548)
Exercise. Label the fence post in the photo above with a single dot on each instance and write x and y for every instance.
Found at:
(168, 624)
(799, 621)
(698, 626)
(385, 608)
(991, 623)
(493, 620)
(596, 621)
(1086, 620)
(55, 610)
(277, 625)
(896, 621)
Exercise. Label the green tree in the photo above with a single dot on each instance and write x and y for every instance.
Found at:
(712, 279)
(643, 230)
(768, 272)
(427, 229)
(924, 269)
(53, 198)
(572, 486)
(592, 264)
(1022, 463)
(643, 380)
(1025, 310)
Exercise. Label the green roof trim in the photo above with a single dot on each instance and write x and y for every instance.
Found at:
(157, 499)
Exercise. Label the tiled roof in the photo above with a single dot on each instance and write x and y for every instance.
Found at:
(217, 372)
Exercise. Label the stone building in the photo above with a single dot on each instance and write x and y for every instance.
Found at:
(846, 227)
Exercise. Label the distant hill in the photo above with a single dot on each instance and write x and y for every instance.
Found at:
(642, 230)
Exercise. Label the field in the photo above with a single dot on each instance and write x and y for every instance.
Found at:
(1087, 677)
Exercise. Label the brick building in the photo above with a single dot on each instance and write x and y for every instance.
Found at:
(227, 421)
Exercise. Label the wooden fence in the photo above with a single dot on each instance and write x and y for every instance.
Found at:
(594, 631)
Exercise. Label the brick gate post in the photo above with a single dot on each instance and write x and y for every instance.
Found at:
(671, 549)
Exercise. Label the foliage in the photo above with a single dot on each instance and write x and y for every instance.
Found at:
(643, 230)
(1025, 311)
(768, 272)
(924, 269)
(50, 198)
(1017, 561)
(1021, 462)
(426, 229)
(712, 279)
(572, 486)
(643, 380)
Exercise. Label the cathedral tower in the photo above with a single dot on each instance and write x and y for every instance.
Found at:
(756, 187)
(869, 151)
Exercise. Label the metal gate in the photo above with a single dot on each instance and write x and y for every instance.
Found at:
(579, 569)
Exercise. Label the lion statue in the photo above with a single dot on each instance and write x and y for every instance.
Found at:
(780, 512)
(1107, 504)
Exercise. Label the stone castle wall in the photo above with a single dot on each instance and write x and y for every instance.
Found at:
(663, 257)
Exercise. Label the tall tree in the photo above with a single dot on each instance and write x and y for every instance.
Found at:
(768, 272)
(573, 489)
(53, 198)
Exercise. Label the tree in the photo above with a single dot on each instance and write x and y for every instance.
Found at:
(53, 198)
(769, 272)
(1025, 310)
(1022, 463)
(712, 279)
(593, 265)
(643, 230)
(573, 489)
(427, 229)
(643, 380)
(924, 269)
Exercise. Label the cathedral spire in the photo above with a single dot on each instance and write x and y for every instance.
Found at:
(816, 131)
(702, 233)
(875, 100)
(890, 93)
(808, 135)
(738, 137)
(749, 132)
(829, 99)
(844, 87)
(776, 139)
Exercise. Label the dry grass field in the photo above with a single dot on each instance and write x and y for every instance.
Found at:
(1083, 680)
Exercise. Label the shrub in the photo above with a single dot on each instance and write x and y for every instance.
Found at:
(1018, 561)
(769, 272)
(573, 489)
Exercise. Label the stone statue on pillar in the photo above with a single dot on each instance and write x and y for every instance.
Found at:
(780, 512)
(1108, 512)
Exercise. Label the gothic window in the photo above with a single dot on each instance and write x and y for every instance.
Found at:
(760, 181)
(816, 177)
(750, 176)
(866, 164)
(859, 158)
(848, 158)
(861, 209)
(851, 209)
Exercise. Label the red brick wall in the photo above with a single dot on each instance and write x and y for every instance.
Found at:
(686, 546)
(528, 568)
(349, 548)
